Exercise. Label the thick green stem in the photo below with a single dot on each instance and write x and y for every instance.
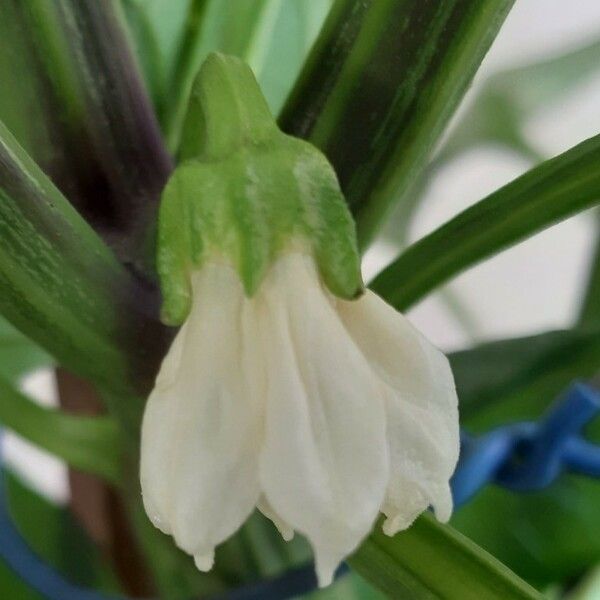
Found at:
(379, 87)
(73, 98)
(61, 286)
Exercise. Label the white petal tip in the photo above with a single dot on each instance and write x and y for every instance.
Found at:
(392, 525)
(205, 561)
(285, 530)
(389, 527)
(444, 505)
(155, 518)
(325, 568)
(324, 578)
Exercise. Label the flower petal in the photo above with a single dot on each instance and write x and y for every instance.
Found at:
(422, 410)
(286, 532)
(324, 465)
(201, 430)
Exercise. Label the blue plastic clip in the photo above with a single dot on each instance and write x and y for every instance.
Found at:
(530, 456)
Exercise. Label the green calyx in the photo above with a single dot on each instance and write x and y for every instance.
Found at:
(245, 192)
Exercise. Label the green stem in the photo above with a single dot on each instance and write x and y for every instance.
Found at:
(93, 130)
(380, 85)
(62, 287)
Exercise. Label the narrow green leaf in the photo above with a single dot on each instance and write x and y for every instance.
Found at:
(533, 86)
(589, 314)
(552, 191)
(349, 587)
(18, 355)
(547, 536)
(90, 444)
(53, 534)
(13, 587)
(186, 63)
(381, 83)
(62, 287)
(157, 29)
(145, 45)
(432, 561)
(236, 28)
(497, 115)
(516, 379)
(286, 47)
(508, 98)
(73, 98)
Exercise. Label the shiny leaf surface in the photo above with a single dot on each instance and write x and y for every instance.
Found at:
(379, 86)
(552, 191)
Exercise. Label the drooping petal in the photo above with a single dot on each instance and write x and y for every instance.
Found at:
(285, 530)
(324, 465)
(422, 413)
(202, 426)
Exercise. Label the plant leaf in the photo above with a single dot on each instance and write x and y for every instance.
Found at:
(238, 28)
(272, 36)
(508, 98)
(13, 587)
(73, 98)
(286, 47)
(90, 444)
(185, 65)
(380, 85)
(63, 288)
(431, 561)
(52, 533)
(146, 45)
(497, 115)
(546, 536)
(350, 586)
(589, 314)
(18, 355)
(516, 379)
(552, 191)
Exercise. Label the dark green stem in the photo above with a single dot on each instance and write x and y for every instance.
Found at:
(91, 126)
(380, 85)
(61, 286)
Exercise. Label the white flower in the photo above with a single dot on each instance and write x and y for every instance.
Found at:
(320, 411)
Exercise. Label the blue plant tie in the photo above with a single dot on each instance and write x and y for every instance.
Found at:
(530, 456)
(520, 457)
